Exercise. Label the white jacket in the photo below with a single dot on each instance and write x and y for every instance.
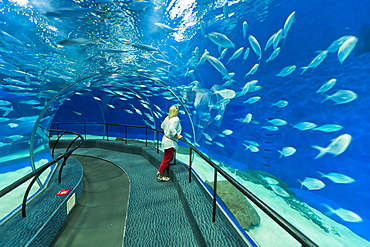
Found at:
(171, 127)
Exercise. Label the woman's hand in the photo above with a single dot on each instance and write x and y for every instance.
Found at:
(178, 136)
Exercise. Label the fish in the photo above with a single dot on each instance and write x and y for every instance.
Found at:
(227, 132)
(13, 125)
(226, 9)
(226, 93)
(312, 183)
(329, 128)
(305, 126)
(70, 12)
(338, 178)
(208, 137)
(287, 151)
(252, 70)
(253, 143)
(277, 122)
(327, 86)
(279, 191)
(236, 54)
(247, 86)
(316, 61)
(344, 214)
(247, 118)
(255, 46)
(287, 71)
(221, 40)
(219, 144)
(336, 147)
(246, 54)
(342, 97)
(164, 27)
(30, 102)
(77, 113)
(269, 180)
(14, 137)
(223, 53)
(271, 128)
(334, 46)
(139, 5)
(252, 100)
(346, 48)
(252, 148)
(218, 65)
(277, 38)
(273, 55)
(288, 23)
(281, 103)
(270, 41)
(245, 28)
(144, 47)
(76, 41)
(5, 103)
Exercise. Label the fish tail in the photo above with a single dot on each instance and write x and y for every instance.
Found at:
(304, 69)
(281, 154)
(321, 149)
(300, 183)
(322, 174)
(326, 98)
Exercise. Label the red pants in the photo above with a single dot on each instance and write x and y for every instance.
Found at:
(167, 157)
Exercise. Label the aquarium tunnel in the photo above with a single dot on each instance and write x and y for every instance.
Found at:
(275, 92)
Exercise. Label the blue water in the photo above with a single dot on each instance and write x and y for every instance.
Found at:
(107, 90)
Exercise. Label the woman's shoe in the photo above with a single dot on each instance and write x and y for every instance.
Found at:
(163, 179)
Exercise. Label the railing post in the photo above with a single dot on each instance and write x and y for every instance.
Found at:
(106, 130)
(85, 129)
(126, 134)
(157, 144)
(146, 137)
(190, 164)
(214, 196)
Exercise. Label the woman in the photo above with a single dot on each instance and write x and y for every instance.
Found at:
(172, 132)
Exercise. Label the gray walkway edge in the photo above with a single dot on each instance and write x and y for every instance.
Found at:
(176, 213)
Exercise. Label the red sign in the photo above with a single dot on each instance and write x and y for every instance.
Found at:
(63, 192)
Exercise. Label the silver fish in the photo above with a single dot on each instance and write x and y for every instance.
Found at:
(288, 23)
(287, 151)
(287, 71)
(329, 128)
(245, 28)
(255, 46)
(316, 61)
(338, 178)
(218, 65)
(336, 147)
(312, 183)
(273, 55)
(346, 48)
(327, 86)
(342, 97)
(236, 54)
(221, 40)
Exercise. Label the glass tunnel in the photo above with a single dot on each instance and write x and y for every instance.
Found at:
(275, 92)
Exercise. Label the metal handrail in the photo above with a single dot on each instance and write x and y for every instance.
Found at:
(292, 230)
(36, 173)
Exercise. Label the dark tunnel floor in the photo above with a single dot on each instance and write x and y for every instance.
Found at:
(99, 217)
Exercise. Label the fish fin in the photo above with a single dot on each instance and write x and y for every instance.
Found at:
(321, 149)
